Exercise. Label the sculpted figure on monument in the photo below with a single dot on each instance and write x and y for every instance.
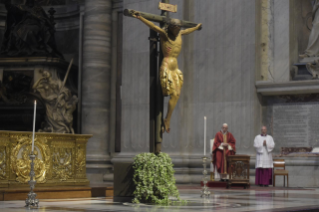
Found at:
(29, 31)
(313, 68)
(170, 76)
(313, 43)
(3, 94)
(59, 104)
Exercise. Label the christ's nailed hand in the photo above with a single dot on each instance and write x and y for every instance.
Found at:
(136, 14)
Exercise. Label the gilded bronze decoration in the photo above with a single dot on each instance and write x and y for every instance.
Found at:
(80, 159)
(20, 161)
(3, 171)
(60, 159)
(62, 163)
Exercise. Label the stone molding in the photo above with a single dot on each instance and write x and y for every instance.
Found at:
(287, 88)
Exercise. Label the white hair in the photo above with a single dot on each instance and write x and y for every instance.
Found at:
(263, 126)
(225, 124)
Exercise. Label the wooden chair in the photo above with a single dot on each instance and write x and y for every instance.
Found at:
(280, 163)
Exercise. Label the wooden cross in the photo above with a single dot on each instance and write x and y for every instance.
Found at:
(163, 18)
(156, 96)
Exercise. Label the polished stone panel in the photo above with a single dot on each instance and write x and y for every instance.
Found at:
(237, 200)
(281, 41)
(296, 124)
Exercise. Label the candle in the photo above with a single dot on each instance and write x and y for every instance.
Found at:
(204, 135)
(34, 114)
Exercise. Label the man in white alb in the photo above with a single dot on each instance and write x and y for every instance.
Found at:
(264, 145)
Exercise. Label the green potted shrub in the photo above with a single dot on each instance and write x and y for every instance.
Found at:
(154, 179)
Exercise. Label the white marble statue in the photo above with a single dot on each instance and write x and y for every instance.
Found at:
(313, 43)
(59, 104)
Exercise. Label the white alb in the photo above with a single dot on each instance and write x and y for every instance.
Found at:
(264, 156)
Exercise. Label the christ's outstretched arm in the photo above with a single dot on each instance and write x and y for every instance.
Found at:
(149, 23)
(190, 30)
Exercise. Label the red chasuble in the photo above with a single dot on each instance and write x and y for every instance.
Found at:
(218, 154)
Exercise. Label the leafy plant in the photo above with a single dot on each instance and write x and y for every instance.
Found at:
(154, 178)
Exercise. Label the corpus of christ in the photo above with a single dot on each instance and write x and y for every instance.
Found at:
(162, 105)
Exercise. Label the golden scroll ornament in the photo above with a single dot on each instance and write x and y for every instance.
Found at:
(80, 159)
(3, 166)
(20, 161)
(62, 163)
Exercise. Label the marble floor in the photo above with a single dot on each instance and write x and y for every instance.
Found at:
(254, 199)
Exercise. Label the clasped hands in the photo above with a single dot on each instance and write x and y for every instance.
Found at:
(224, 145)
(264, 143)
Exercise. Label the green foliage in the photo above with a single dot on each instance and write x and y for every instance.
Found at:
(154, 179)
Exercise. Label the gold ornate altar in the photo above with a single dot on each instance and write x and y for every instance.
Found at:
(60, 159)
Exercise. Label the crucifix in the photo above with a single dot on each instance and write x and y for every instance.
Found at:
(166, 80)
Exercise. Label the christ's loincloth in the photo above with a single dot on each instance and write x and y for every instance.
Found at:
(171, 81)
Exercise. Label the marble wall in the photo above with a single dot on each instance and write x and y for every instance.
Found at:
(281, 41)
(286, 29)
(282, 34)
(273, 40)
(218, 64)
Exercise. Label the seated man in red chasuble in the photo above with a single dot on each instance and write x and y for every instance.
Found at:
(224, 145)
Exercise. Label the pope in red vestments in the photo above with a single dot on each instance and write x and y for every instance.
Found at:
(223, 140)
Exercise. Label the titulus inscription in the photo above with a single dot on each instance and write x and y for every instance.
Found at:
(296, 124)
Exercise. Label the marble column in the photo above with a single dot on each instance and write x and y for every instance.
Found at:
(96, 86)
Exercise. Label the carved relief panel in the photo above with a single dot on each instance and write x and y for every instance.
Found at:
(62, 163)
(60, 159)
(4, 161)
(20, 161)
